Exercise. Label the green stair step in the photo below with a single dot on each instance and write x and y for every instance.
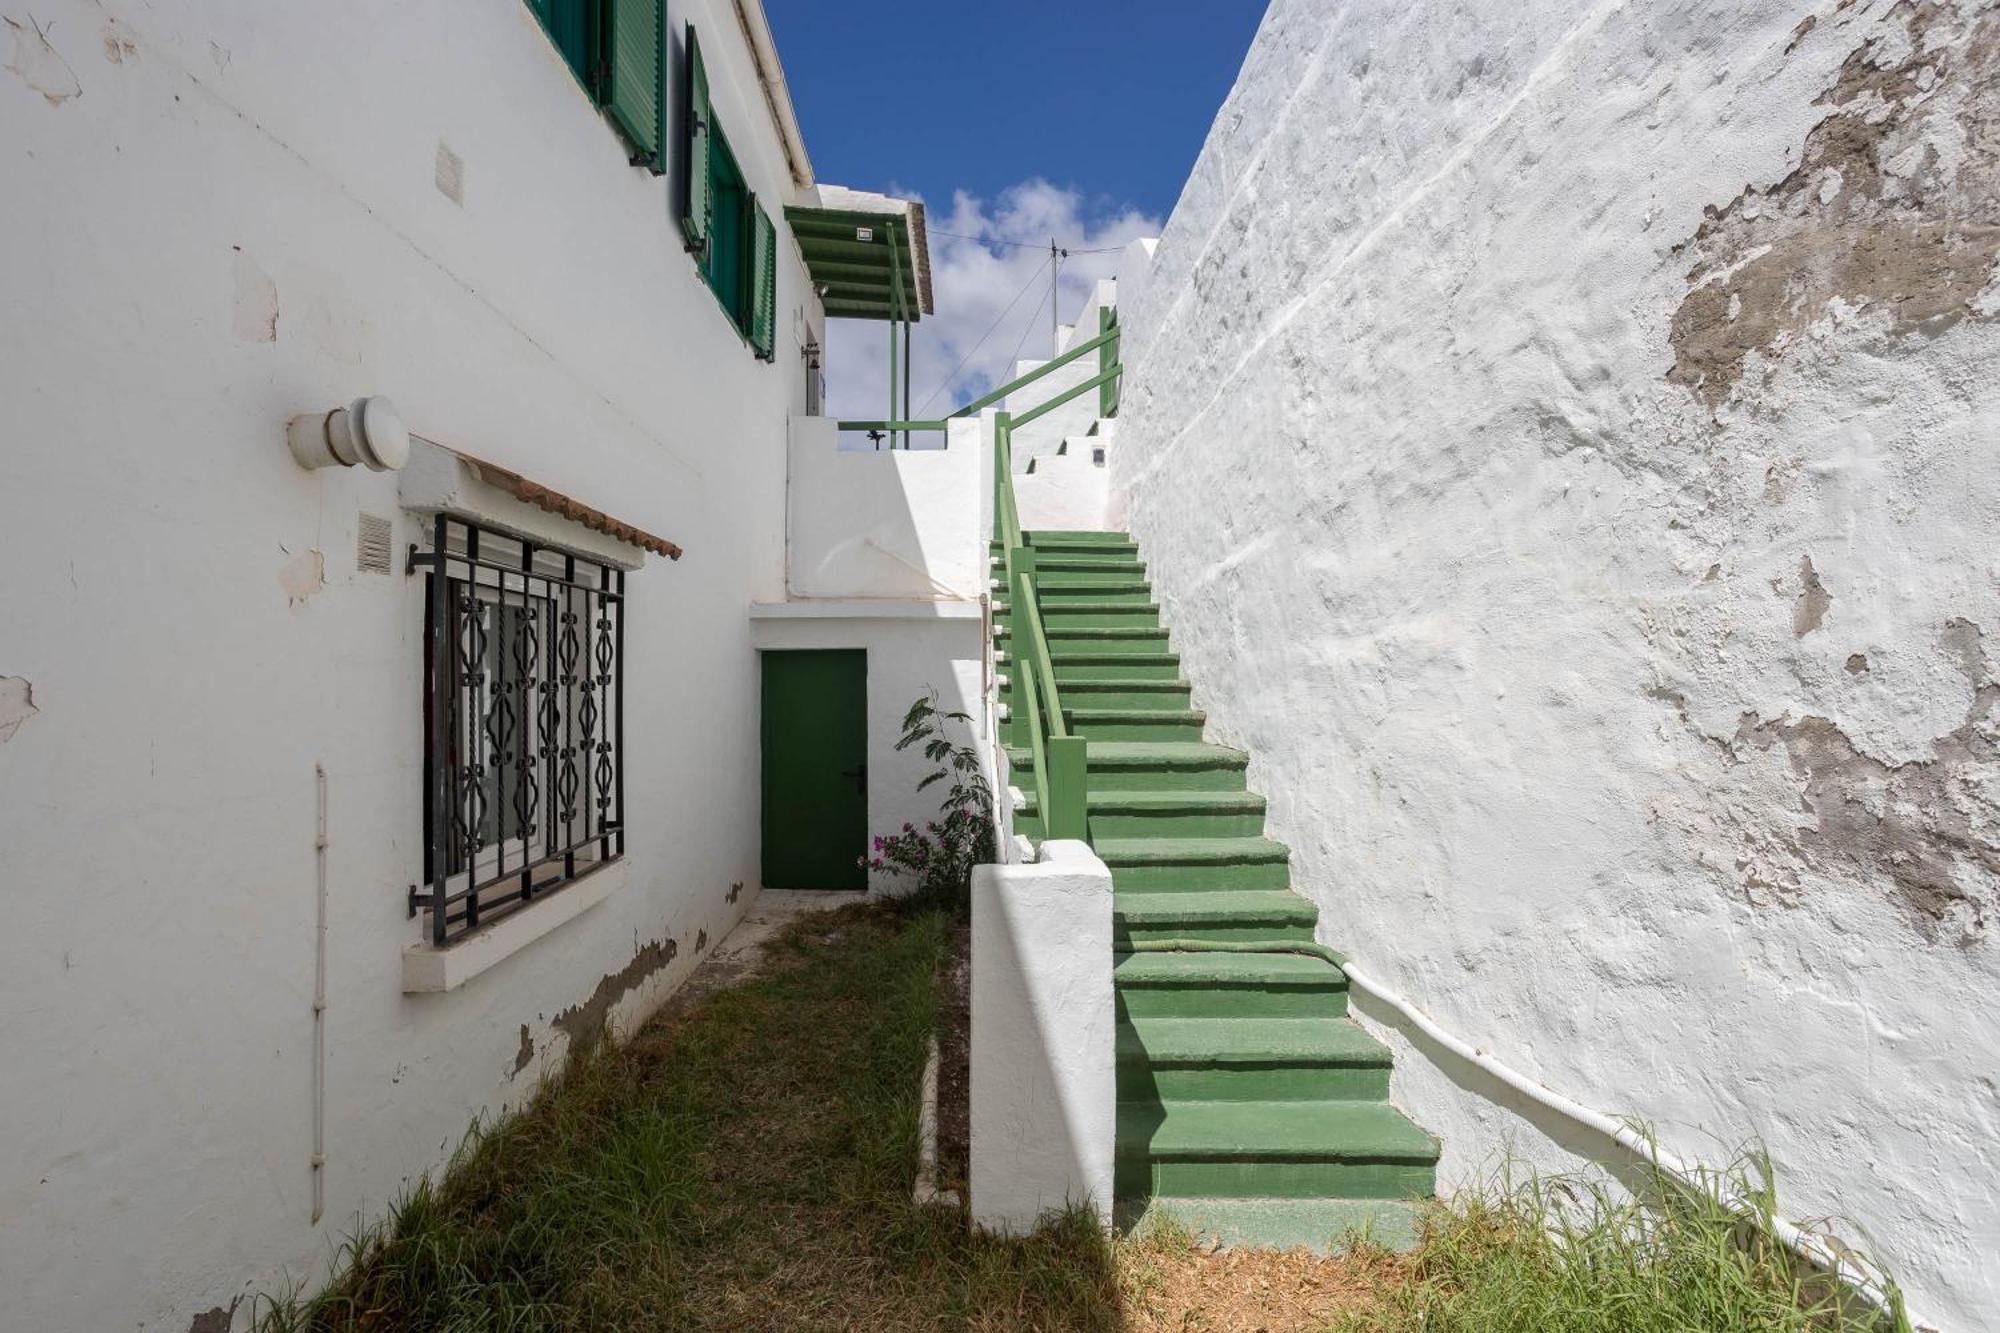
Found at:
(1322, 1226)
(1067, 546)
(1249, 1060)
(1137, 724)
(1287, 1149)
(1224, 985)
(1103, 594)
(1193, 813)
(1229, 916)
(1108, 691)
(1104, 666)
(1083, 562)
(1086, 613)
(1077, 580)
(1038, 540)
(1078, 536)
(1182, 814)
(1103, 633)
(1195, 864)
(1090, 692)
(1155, 765)
(1070, 643)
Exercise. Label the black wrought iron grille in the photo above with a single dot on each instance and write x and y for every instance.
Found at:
(524, 720)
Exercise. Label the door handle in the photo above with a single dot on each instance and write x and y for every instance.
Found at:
(860, 776)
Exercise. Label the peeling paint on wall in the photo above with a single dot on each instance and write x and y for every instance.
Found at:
(1893, 211)
(254, 312)
(1928, 829)
(39, 64)
(17, 705)
(302, 575)
(118, 46)
(584, 1023)
(1813, 600)
(216, 1320)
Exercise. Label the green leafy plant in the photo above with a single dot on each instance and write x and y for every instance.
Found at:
(940, 856)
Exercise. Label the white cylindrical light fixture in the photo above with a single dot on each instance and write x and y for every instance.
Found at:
(367, 432)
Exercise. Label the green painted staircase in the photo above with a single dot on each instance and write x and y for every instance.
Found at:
(1249, 1105)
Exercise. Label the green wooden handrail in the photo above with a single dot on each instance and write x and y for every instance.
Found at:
(1061, 761)
(1023, 381)
(891, 425)
(1107, 342)
(1075, 391)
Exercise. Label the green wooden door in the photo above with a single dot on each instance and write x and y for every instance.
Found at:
(815, 769)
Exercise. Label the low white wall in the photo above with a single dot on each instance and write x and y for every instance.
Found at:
(1561, 436)
(901, 523)
(912, 647)
(1044, 1043)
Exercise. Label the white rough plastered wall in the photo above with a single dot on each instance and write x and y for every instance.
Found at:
(1563, 438)
(217, 216)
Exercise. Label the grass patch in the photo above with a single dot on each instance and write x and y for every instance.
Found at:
(746, 1164)
(1570, 1254)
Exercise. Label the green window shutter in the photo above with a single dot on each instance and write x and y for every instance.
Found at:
(569, 25)
(764, 298)
(637, 75)
(699, 120)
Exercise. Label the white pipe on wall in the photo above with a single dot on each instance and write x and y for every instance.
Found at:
(319, 995)
(1813, 1249)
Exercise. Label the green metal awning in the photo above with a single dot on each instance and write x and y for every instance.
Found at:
(867, 254)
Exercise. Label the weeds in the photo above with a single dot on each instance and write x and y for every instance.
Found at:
(1573, 1254)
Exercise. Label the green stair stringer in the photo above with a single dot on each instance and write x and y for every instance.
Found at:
(1250, 1106)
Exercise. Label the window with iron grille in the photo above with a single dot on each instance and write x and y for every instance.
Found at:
(524, 712)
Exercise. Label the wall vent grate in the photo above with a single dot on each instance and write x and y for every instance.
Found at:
(372, 544)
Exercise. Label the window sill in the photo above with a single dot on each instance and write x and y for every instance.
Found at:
(427, 969)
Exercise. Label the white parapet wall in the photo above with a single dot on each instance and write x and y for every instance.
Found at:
(894, 523)
(1561, 436)
(1044, 1086)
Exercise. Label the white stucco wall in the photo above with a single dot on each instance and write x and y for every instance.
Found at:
(221, 215)
(900, 523)
(1044, 1086)
(1562, 437)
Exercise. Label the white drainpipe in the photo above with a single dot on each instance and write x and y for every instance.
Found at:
(1813, 1249)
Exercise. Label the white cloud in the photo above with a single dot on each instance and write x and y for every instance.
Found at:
(973, 283)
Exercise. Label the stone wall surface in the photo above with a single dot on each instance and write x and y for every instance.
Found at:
(1562, 436)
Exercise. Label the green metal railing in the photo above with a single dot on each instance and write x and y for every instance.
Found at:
(1038, 720)
(1105, 383)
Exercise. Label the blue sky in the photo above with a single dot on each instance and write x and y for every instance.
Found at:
(1012, 122)
(1112, 97)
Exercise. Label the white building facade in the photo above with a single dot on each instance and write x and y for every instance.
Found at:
(225, 718)
(1562, 438)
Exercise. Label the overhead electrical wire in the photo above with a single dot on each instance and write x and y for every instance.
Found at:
(1025, 245)
(1034, 279)
(1029, 327)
